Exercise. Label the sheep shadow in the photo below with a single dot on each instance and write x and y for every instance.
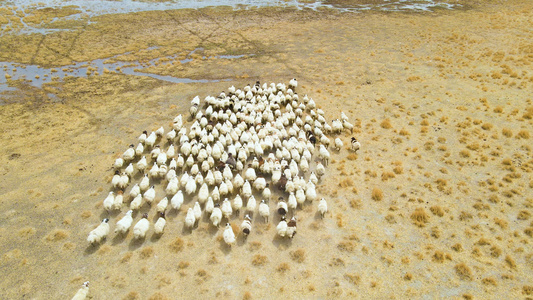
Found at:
(281, 242)
(225, 248)
(136, 244)
(119, 238)
(91, 249)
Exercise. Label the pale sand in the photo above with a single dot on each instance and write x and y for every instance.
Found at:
(454, 87)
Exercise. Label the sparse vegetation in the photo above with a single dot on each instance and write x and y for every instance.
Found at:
(420, 217)
(377, 194)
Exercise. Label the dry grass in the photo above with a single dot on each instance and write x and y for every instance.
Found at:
(355, 203)
(386, 124)
(437, 210)
(398, 170)
(346, 182)
(523, 134)
(510, 262)
(259, 260)
(387, 175)
(57, 235)
(298, 255)
(420, 217)
(507, 132)
(527, 290)
(352, 156)
(489, 281)
(523, 215)
(377, 194)
(283, 267)
(176, 245)
(438, 256)
(146, 252)
(463, 271)
(352, 278)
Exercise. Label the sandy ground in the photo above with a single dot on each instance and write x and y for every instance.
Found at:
(437, 204)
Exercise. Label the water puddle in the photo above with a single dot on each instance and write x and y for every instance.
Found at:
(36, 76)
(85, 10)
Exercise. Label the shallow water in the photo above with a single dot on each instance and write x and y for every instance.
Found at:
(89, 9)
(36, 75)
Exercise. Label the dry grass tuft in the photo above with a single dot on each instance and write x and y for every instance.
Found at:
(352, 156)
(437, 210)
(57, 235)
(527, 290)
(346, 182)
(510, 262)
(420, 217)
(259, 260)
(489, 281)
(146, 252)
(464, 272)
(247, 295)
(283, 267)
(377, 194)
(398, 170)
(386, 124)
(355, 203)
(523, 215)
(176, 245)
(523, 134)
(487, 126)
(438, 256)
(387, 175)
(507, 132)
(298, 255)
(352, 278)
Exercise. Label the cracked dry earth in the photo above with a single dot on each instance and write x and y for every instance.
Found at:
(436, 204)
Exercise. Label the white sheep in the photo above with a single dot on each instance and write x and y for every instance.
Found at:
(338, 144)
(129, 154)
(145, 183)
(216, 216)
(322, 207)
(190, 220)
(82, 293)
(108, 201)
(149, 195)
(99, 234)
(203, 193)
(197, 210)
(125, 223)
(136, 202)
(282, 207)
(135, 190)
(251, 205)
(291, 227)
(160, 224)
(264, 210)
(177, 200)
(117, 202)
(226, 208)
(190, 187)
(229, 235)
(246, 225)
(282, 227)
(246, 190)
(355, 145)
(162, 205)
(142, 226)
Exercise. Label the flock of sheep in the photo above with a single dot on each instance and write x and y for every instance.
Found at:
(245, 143)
